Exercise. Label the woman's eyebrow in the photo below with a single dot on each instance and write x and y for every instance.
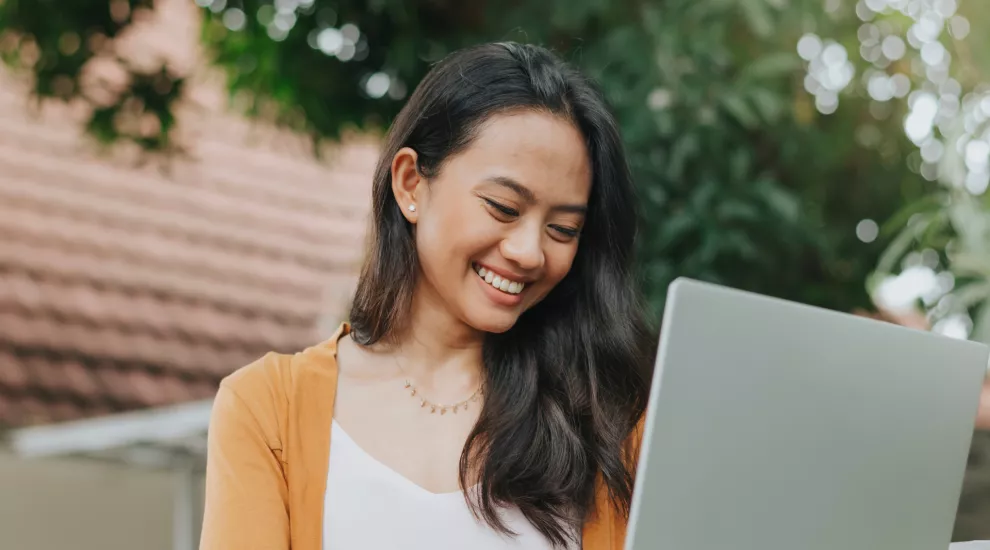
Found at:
(509, 183)
(527, 194)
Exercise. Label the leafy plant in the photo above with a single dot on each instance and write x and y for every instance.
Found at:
(939, 258)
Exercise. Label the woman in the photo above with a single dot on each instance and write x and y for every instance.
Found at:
(486, 390)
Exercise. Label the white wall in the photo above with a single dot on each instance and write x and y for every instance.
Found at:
(83, 505)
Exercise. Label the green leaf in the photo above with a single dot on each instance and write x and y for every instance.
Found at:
(971, 295)
(758, 17)
(902, 243)
(743, 245)
(675, 228)
(739, 163)
(686, 146)
(768, 104)
(737, 107)
(703, 195)
(981, 328)
(737, 211)
(780, 201)
(971, 265)
(928, 205)
(770, 66)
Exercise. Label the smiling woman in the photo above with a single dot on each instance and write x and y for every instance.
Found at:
(517, 198)
(486, 390)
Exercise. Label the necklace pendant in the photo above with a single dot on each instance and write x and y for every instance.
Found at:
(423, 403)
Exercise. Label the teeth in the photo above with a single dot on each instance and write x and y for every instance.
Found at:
(505, 285)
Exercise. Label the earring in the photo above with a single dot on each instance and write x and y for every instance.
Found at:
(412, 207)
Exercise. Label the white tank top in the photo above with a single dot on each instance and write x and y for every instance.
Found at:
(369, 506)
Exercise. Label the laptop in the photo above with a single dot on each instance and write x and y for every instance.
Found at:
(778, 426)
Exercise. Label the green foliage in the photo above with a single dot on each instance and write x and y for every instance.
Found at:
(742, 182)
(944, 238)
(56, 40)
(951, 227)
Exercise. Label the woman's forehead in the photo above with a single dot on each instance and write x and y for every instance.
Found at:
(540, 151)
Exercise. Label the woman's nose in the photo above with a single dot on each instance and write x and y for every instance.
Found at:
(524, 247)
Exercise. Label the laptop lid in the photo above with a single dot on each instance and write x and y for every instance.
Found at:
(775, 426)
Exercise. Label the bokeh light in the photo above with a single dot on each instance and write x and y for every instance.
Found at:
(906, 50)
(867, 230)
(829, 70)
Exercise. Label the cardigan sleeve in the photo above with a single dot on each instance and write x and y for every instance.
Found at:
(634, 446)
(606, 528)
(246, 492)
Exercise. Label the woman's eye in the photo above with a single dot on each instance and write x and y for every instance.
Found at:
(565, 233)
(502, 209)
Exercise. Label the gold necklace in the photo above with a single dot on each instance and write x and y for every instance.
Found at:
(434, 407)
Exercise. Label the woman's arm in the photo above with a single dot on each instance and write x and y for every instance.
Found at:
(246, 494)
(983, 418)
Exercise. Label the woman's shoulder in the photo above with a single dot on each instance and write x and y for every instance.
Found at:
(276, 376)
(260, 401)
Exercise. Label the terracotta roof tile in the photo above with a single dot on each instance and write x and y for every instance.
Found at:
(8, 415)
(64, 410)
(51, 228)
(13, 373)
(124, 287)
(80, 380)
(74, 265)
(159, 316)
(34, 410)
(143, 387)
(202, 389)
(46, 375)
(174, 390)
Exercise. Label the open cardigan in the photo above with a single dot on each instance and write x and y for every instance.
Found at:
(269, 450)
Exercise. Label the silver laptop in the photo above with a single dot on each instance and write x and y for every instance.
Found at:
(777, 426)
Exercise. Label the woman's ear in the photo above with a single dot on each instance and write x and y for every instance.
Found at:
(407, 182)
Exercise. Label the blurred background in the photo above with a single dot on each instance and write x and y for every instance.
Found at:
(158, 157)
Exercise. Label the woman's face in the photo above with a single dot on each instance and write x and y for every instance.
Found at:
(498, 227)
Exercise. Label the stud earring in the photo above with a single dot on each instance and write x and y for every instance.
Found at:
(412, 207)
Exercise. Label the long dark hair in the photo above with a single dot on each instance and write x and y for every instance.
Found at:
(567, 383)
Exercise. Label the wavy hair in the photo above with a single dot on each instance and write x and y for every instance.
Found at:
(567, 383)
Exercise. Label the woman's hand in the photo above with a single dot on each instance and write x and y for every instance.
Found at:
(983, 417)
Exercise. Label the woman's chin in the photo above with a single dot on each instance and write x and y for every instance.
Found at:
(495, 323)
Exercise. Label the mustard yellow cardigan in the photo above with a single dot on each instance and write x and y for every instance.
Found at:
(269, 450)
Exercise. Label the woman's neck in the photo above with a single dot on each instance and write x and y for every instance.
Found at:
(438, 351)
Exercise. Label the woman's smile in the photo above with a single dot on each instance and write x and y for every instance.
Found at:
(499, 288)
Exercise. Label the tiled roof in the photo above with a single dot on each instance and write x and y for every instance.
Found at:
(123, 286)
